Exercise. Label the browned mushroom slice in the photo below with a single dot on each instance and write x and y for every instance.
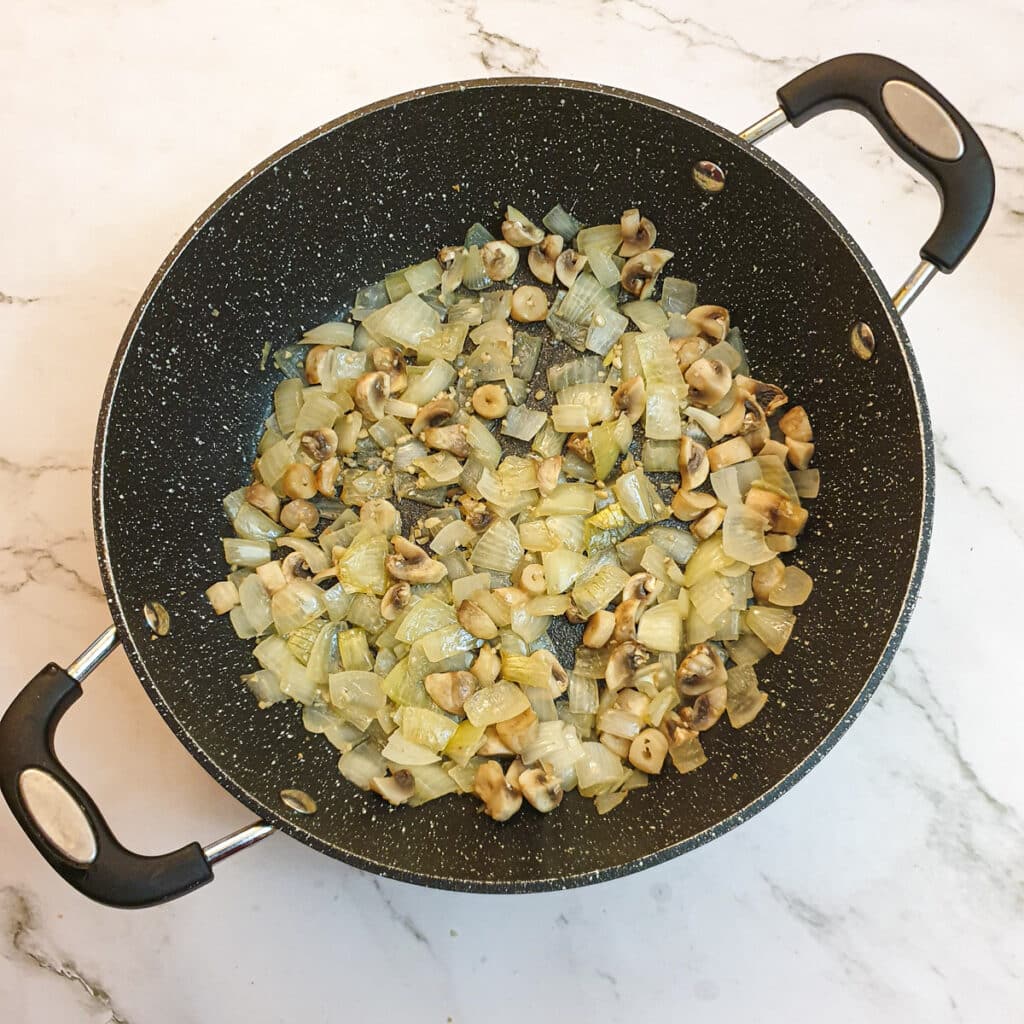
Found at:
(690, 505)
(694, 465)
(638, 234)
(500, 260)
(700, 671)
(450, 690)
(542, 258)
(372, 390)
(542, 789)
(568, 266)
(796, 424)
(710, 320)
(709, 381)
(500, 800)
(630, 397)
(410, 562)
(780, 513)
(640, 272)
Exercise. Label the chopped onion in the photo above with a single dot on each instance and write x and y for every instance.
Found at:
(604, 268)
(731, 483)
(255, 603)
(426, 728)
(606, 327)
(599, 590)
(743, 699)
(240, 552)
(688, 756)
(559, 222)
(646, 314)
(429, 384)
(659, 362)
(677, 295)
(598, 770)
(496, 703)
(661, 628)
(331, 333)
(362, 764)
(773, 472)
(794, 589)
(772, 626)
(523, 423)
(287, 402)
(602, 239)
(743, 536)
(295, 604)
(498, 548)
(265, 687)
(678, 544)
(662, 421)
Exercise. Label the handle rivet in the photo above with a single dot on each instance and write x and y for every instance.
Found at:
(157, 618)
(862, 341)
(297, 800)
(708, 176)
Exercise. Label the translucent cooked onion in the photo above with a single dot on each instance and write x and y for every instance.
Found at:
(731, 483)
(794, 589)
(743, 536)
(743, 701)
(498, 548)
(255, 603)
(295, 604)
(496, 703)
(523, 423)
(598, 770)
(772, 626)
(661, 628)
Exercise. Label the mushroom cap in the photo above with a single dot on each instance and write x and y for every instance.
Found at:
(500, 260)
(624, 660)
(394, 600)
(542, 789)
(630, 397)
(433, 414)
(701, 670)
(500, 800)
(450, 690)
(693, 464)
(641, 271)
(372, 390)
(638, 234)
(568, 266)
(709, 381)
(410, 562)
(396, 788)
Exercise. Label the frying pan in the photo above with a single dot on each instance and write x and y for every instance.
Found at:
(281, 251)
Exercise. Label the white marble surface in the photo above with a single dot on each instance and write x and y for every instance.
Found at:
(888, 886)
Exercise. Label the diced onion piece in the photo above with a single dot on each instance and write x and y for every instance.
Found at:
(523, 423)
(743, 536)
(688, 756)
(598, 770)
(743, 699)
(427, 728)
(265, 687)
(240, 624)
(710, 597)
(496, 703)
(428, 385)
(362, 764)
(455, 534)
(774, 473)
(559, 222)
(659, 362)
(287, 402)
(794, 589)
(255, 602)
(498, 548)
(772, 626)
(647, 314)
(639, 498)
(679, 545)
(606, 327)
(252, 524)
(599, 589)
(605, 268)
(708, 558)
(583, 697)
(297, 603)
(331, 333)
(402, 751)
(677, 295)
(561, 569)
(360, 566)
(408, 321)
(731, 483)
(662, 421)
(747, 650)
(602, 238)
(661, 628)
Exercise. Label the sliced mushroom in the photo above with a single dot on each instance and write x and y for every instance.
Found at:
(599, 629)
(516, 732)
(450, 690)
(500, 800)
(780, 542)
(533, 580)
(709, 381)
(542, 789)
(776, 448)
(320, 444)
(630, 397)
(559, 678)
(548, 471)
(579, 444)
(475, 620)
(693, 464)
(706, 710)
(513, 773)
(640, 273)
(298, 481)
(327, 476)
(623, 662)
(381, 513)
(391, 362)
(529, 304)
(500, 260)
(316, 362)
(731, 421)
(704, 526)
(433, 414)
(689, 350)
(638, 234)
(295, 567)
(300, 514)
(487, 665)
(766, 577)
(673, 729)
(728, 453)
(780, 513)
(451, 438)
(626, 616)
(768, 396)
(754, 418)
(490, 401)
(395, 600)
(493, 745)
(542, 257)
(648, 751)
(710, 320)
(410, 562)
(701, 670)
(569, 265)
(690, 505)
(372, 390)
(397, 788)
(517, 230)
(799, 453)
(632, 701)
(263, 497)
(476, 513)
(642, 587)
(796, 424)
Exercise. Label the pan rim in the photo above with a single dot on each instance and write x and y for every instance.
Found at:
(127, 631)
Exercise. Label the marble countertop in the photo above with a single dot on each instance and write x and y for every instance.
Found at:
(887, 886)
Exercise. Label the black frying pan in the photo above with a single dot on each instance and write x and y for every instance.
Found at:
(285, 247)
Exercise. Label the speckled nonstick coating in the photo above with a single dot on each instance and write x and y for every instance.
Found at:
(285, 249)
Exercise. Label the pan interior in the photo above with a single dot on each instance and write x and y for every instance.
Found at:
(286, 250)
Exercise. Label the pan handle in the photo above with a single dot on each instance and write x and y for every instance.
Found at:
(60, 817)
(921, 126)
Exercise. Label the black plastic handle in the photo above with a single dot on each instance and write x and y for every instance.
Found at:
(966, 183)
(116, 876)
